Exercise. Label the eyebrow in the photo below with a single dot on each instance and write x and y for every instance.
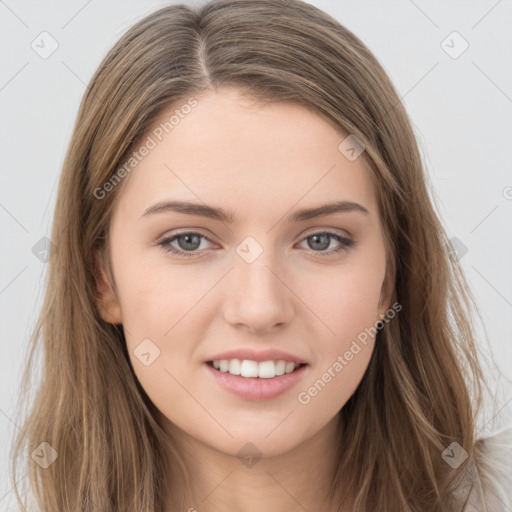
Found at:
(227, 217)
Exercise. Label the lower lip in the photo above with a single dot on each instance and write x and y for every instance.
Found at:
(254, 388)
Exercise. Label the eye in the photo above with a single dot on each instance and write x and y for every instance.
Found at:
(189, 243)
(322, 240)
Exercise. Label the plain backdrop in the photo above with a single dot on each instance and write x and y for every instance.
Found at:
(457, 88)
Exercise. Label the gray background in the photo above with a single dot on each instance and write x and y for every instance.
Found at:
(461, 109)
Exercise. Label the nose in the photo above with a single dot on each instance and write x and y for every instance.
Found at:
(258, 297)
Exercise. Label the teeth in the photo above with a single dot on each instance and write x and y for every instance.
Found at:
(249, 368)
(234, 367)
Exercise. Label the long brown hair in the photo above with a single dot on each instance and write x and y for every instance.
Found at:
(414, 399)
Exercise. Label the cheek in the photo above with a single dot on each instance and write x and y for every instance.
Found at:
(347, 308)
(156, 294)
(345, 347)
(332, 384)
(345, 300)
(161, 306)
(164, 309)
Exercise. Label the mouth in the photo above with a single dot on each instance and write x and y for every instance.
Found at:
(252, 386)
(218, 369)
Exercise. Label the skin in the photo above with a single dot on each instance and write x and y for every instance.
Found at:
(262, 163)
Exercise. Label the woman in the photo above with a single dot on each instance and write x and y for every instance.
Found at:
(252, 304)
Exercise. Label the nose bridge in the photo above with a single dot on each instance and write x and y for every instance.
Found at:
(258, 296)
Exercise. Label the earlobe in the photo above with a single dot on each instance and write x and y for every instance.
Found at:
(107, 302)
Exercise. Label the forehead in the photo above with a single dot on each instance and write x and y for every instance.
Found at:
(228, 148)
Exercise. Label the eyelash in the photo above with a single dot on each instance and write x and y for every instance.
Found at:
(345, 244)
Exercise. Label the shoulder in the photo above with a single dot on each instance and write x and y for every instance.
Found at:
(492, 485)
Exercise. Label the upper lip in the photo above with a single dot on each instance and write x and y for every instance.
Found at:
(262, 355)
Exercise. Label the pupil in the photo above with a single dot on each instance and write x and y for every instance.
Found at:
(188, 243)
(323, 245)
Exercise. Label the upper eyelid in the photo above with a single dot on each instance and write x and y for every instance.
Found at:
(194, 231)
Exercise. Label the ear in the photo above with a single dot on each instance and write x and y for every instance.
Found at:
(108, 303)
(386, 290)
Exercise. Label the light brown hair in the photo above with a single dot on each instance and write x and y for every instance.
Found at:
(414, 399)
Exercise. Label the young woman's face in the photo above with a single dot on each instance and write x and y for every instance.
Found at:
(258, 275)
